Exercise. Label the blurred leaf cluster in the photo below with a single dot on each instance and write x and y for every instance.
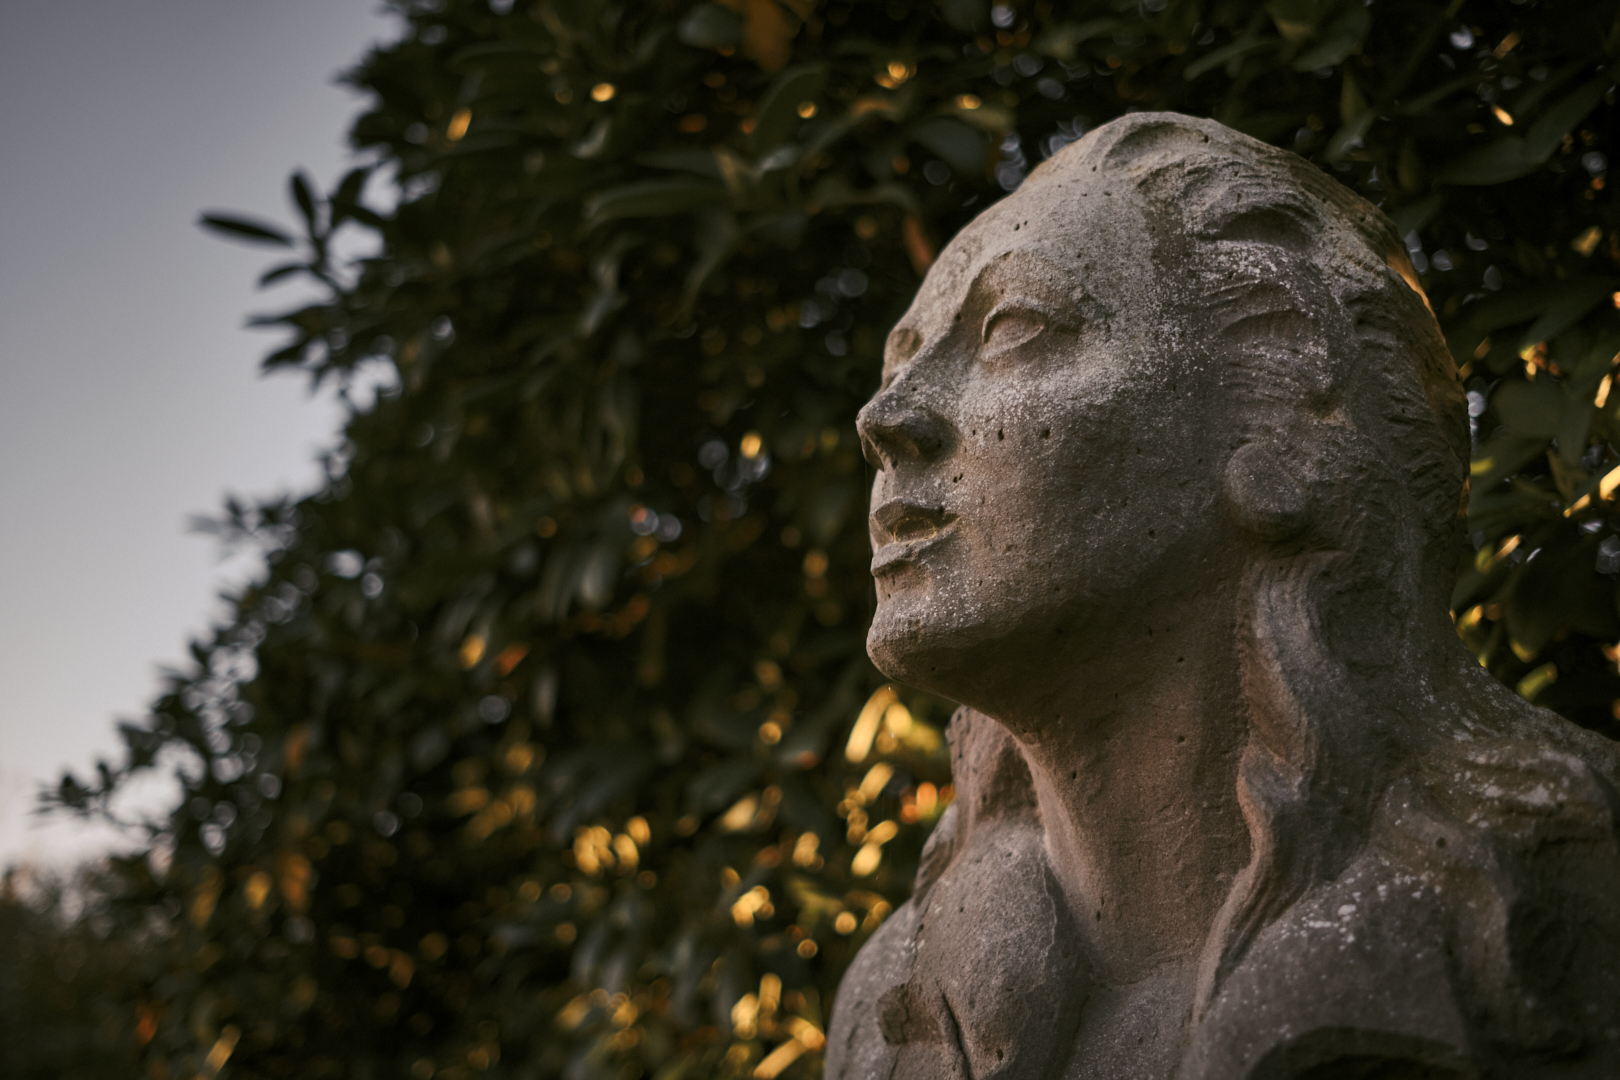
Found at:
(546, 745)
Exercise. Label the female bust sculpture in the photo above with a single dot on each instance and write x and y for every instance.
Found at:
(1170, 458)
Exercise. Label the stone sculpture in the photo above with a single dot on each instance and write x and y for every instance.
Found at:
(1171, 458)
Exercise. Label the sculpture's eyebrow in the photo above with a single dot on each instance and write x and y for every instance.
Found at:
(1055, 291)
(1023, 275)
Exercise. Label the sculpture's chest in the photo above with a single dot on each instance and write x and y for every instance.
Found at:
(988, 977)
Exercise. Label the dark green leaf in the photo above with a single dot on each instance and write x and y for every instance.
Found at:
(1577, 299)
(778, 110)
(963, 148)
(1548, 132)
(653, 198)
(710, 26)
(277, 273)
(1338, 40)
(242, 229)
(1495, 163)
(298, 186)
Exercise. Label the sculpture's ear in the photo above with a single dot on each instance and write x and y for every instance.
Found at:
(1263, 496)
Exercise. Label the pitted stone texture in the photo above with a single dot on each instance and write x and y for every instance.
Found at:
(1170, 456)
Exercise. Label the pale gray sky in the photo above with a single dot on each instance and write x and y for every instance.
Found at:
(131, 395)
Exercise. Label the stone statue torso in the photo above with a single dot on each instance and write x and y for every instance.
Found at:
(1418, 961)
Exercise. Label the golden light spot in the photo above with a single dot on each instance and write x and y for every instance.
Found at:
(570, 1015)
(782, 1056)
(467, 801)
(518, 758)
(808, 948)
(806, 110)
(770, 993)
(804, 849)
(927, 798)
(866, 860)
(754, 902)
(1587, 242)
(545, 528)
(897, 720)
(257, 889)
(510, 657)
(530, 890)
(845, 923)
(1602, 398)
(876, 777)
(294, 746)
(969, 102)
(815, 564)
(521, 799)
(1507, 44)
(769, 674)
(751, 445)
(400, 969)
(434, 946)
(806, 1032)
(882, 833)
(744, 1014)
(1607, 485)
(146, 1023)
(1502, 115)
(692, 123)
(603, 91)
(741, 814)
(567, 932)
(459, 122)
(206, 897)
(472, 651)
(1537, 681)
(639, 831)
(866, 725)
(564, 96)
(770, 733)
(220, 1053)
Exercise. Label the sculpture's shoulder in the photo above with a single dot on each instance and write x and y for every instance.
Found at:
(979, 973)
(1476, 935)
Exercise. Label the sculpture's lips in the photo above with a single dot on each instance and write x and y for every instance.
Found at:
(902, 530)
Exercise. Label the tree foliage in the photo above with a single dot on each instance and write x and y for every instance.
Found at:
(546, 745)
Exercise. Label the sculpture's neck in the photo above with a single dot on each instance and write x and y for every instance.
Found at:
(1135, 767)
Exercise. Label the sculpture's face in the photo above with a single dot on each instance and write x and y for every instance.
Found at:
(1041, 448)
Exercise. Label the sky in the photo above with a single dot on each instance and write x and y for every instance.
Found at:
(131, 397)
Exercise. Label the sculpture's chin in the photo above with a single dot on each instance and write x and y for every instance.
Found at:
(913, 644)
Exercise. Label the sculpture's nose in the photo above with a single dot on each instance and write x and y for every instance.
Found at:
(895, 427)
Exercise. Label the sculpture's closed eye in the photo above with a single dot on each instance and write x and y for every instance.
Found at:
(902, 346)
(1010, 326)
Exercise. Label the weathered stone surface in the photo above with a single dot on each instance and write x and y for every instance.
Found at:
(1170, 465)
